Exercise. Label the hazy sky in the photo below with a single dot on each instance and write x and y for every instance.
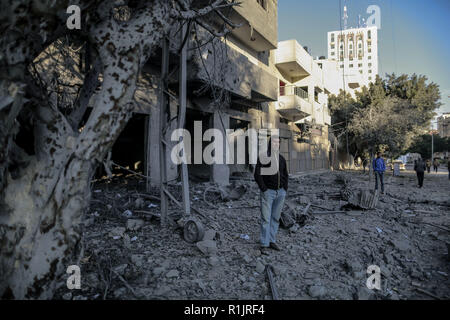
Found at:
(414, 35)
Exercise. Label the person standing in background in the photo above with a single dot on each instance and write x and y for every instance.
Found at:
(428, 165)
(379, 167)
(420, 167)
(435, 165)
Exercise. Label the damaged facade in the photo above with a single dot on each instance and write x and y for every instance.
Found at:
(248, 81)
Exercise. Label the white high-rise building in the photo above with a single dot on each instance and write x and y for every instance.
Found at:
(356, 51)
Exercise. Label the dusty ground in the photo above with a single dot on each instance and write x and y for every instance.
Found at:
(326, 258)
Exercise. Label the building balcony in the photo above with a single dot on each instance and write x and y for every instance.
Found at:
(236, 74)
(293, 103)
(293, 62)
(259, 24)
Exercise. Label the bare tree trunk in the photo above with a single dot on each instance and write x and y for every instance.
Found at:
(40, 222)
(41, 207)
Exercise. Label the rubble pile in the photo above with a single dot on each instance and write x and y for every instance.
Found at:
(327, 247)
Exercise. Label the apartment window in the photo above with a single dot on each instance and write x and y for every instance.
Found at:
(359, 45)
(332, 37)
(351, 66)
(341, 66)
(370, 71)
(360, 71)
(360, 65)
(370, 78)
(369, 50)
(370, 64)
(332, 46)
(332, 53)
(262, 3)
(370, 57)
(369, 34)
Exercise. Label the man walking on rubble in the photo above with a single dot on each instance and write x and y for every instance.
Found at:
(420, 167)
(428, 165)
(435, 165)
(273, 188)
(379, 167)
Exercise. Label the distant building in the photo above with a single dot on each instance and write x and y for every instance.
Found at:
(356, 51)
(443, 124)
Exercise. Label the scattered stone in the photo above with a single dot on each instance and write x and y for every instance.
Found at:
(401, 245)
(207, 247)
(120, 292)
(120, 269)
(317, 291)
(259, 267)
(92, 280)
(158, 271)
(67, 296)
(117, 232)
(134, 224)
(213, 261)
(138, 260)
(163, 290)
(364, 294)
(89, 222)
(79, 298)
(172, 274)
(247, 259)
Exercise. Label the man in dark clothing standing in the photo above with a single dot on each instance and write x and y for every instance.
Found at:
(420, 167)
(273, 187)
(379, 167)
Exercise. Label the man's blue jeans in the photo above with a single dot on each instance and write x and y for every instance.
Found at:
(271, 204)
(379, 175)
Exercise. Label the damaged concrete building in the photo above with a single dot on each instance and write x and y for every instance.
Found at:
(260, 83)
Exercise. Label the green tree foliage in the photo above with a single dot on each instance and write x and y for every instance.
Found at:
(387, 115)
(422, 145)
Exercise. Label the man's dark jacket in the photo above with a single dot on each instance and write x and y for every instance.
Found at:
(276, 181)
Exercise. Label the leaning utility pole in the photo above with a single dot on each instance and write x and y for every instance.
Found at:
(165, 97)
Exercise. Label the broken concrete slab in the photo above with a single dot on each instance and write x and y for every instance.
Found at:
(207, 247)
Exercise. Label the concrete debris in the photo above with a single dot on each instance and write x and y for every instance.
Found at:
(172, 274)
(158, 271)
(317, 291)
(210, 234)
(138, 260)
(207, 247)
(127, 213)
(134, 224)
(67, 296)
(121, 268)
(117, 232)
(323, 256)
(213, 261)
(259, 267)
